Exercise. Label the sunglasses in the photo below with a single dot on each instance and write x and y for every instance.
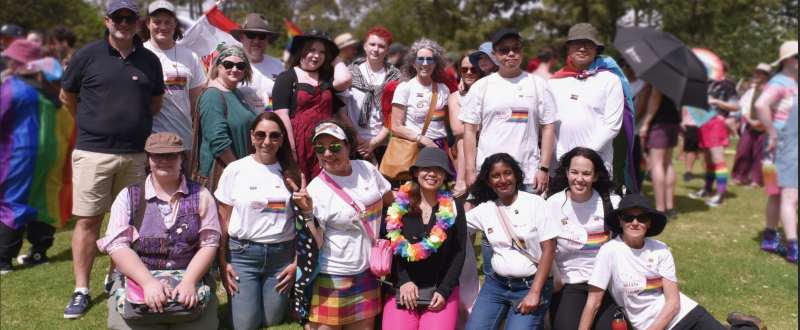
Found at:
(160, 157)
(229, 65)
(422, 60)
(473, 70)
(584, 44)
(504, 50)
(259, 36)
(117, 19)
(273, 136)
(628, 218)
(334, 148)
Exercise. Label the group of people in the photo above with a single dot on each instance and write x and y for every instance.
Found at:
(274, 174)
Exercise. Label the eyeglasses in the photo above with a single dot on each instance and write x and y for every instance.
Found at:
(473, 70)
(504, 50)
(229, 65)
(334, 148)
(422, 60)
(160, 157)
(273, 136)
(583, 44)
(628, 218)
(259, 36)
(117, 19)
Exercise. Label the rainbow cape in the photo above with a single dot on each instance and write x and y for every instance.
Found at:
(37, 135)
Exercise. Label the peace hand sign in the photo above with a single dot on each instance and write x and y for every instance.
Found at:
(300, 195)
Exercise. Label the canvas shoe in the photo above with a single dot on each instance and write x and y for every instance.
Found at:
(6, 267)
(35, 258)
(77, 306)
(772, 243)
(717, 200)
(108, 284)
(703, 193)
(791, 254)
(747, 318)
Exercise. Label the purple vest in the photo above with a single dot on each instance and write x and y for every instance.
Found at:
(163, 248)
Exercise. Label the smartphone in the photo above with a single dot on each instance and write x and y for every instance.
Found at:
(515, 305)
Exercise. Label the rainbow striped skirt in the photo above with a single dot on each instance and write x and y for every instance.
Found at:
(344, 299)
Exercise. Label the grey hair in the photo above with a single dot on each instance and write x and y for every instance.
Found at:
(408, 69)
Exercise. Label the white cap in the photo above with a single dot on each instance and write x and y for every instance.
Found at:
(330, 129)
(161, 4)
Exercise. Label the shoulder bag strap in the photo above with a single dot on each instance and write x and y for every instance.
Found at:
(434, 102)
(509, 229)
(224, 104)
(607, 207)
(347, 199)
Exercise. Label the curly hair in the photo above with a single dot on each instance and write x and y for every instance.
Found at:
(481, 189)
(560, 182)
(408, 69)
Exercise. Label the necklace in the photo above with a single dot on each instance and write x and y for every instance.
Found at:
(445, 218)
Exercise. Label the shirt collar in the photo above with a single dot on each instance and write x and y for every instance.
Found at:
(137, 42)
(150, 189)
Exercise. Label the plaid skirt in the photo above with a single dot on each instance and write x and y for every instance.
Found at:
(344, 299)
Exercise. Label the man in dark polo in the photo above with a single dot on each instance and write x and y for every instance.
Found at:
(113, 87)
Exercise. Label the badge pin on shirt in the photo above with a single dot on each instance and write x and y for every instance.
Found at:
(135, 78)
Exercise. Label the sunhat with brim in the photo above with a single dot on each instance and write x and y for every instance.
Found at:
(255, 23)
(585, 31)
(298, 41)
(163, 143)
(329, 129)
(788, 49)
(763, 67)
(344, 40)
(485, 48)
(658, 221)
(433, 157)
(23, 51)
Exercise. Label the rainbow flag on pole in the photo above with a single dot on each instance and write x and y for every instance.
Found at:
(291, 31)
(37, 136)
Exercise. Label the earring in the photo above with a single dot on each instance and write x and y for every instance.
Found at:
(348, 161)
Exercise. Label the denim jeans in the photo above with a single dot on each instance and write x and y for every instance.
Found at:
(486, 253)
(258, 303)
(495, 304)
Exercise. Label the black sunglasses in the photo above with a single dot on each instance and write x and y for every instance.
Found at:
(334, 148)
(473, 70)
(628, 218)
(505, 50)
(259, 36)
(117, 19)
(229, 65)
(273, 136)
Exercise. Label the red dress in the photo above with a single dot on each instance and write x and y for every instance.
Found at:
(313, 105)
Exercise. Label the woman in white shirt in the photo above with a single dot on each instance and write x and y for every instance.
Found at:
(579, 197)
(515, 292)
(257, 267)
(640, 274)
(469, 75)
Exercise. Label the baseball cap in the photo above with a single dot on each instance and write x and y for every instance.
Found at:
(163, 143)
(12, 30)
(161, 5)
(330, 129)
(122, 4)
(505, 32)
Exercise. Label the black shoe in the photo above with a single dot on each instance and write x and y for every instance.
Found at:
(687, 177)
(671, 214)
(35, 258)
(6, 267)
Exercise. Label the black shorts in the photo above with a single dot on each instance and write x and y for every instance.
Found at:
(690, 139)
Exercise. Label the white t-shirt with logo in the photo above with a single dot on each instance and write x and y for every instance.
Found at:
(582, 234)
(635, 277)
(533, 222)
(270, 67)
(258, 93)
(591, 114)
(260, 201)
(416, 99)
(346, 244)
(510, 113)
(357, 99)
(183, 71)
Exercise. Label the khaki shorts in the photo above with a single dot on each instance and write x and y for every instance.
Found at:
(97, 178)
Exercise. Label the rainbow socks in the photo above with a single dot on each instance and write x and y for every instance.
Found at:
(709, 177)
(721, 174)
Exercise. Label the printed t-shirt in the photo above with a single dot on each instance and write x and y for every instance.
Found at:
(270, 67)
(591, 114)
(183, 71)
(781, 90)
(533, 222)
(510, 112)
(417, 99)
(376, 116)
(582, 234)
(636, 278)
(723, 90)
(346, 244)
(260, 201)
(258, 93)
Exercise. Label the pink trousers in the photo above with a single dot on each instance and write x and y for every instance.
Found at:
(403, 319)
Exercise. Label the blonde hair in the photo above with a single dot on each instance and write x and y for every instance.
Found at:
(248, 70)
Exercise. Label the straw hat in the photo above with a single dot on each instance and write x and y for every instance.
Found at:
(788, 49)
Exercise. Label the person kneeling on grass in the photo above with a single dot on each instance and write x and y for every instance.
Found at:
(640, 273)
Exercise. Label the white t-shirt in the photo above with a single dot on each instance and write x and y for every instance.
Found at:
(258, 93)
(635, 278)
(417, 99)
(510, 112)
(590, 112)
(346, 244)
(260, 201)
(533, 222)
(357, 99)
(270, 67)
(182, 72)
(582, 234)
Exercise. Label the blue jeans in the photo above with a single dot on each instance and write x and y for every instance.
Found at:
(258, 303)
(486, 253)
(494, 304)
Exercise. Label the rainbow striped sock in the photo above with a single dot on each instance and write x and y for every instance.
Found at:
(709, 177)
(721, 174)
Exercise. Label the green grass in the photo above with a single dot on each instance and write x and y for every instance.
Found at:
(716, 252)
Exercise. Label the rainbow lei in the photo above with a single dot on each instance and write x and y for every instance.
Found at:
(445, 218)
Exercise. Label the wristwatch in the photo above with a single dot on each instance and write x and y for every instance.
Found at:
(419, 136)
(544, 169)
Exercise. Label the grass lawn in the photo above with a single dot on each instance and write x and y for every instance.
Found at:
(716, 251)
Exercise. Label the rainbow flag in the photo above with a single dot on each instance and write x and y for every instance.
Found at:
(291, 30)
(438, 114)
(37, 135)
(654, 283)
(518, 115)
(275, 206)
(373, 206)
(596, 237)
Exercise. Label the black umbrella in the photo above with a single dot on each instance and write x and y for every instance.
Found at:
(662, 60)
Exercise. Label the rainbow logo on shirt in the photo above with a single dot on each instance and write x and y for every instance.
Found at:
(490, 230)
(374, 206)
(269, 104)
(573, 96)
(654, 283)
(175, 81)
(438, 114)
(275, 206)
(518, 115)
(595, 237)
(420, 95)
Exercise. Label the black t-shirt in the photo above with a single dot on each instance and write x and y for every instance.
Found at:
(722, 90)
(667, 112)
(114, 113)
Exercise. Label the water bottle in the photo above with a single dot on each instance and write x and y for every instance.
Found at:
(619, 319)
(770, 176)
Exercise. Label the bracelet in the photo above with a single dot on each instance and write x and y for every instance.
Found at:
(419, 137)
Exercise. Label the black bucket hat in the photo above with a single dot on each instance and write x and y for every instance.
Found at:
(430, 157)
(658, 221)
(298, 41)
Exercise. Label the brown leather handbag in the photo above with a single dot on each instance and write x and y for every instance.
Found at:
(402, 153)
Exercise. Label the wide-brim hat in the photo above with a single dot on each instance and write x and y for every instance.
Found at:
(585, 31)
(23, 51)
(255, 23)
(485, 48)
(764, 67)
(788, 49)
(344, 40)
(658, 221)
(163, 143)
(433, 157)
(298, 41)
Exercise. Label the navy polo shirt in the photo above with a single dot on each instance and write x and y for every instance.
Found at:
(114, 113)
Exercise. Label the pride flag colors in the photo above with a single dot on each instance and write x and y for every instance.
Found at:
(595, 238)
(654, 283)
(175, 81)
(438, 114)
(518, 115)
(373, 206)
(275, 206)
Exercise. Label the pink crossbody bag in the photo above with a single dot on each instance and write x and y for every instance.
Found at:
(380, 263)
